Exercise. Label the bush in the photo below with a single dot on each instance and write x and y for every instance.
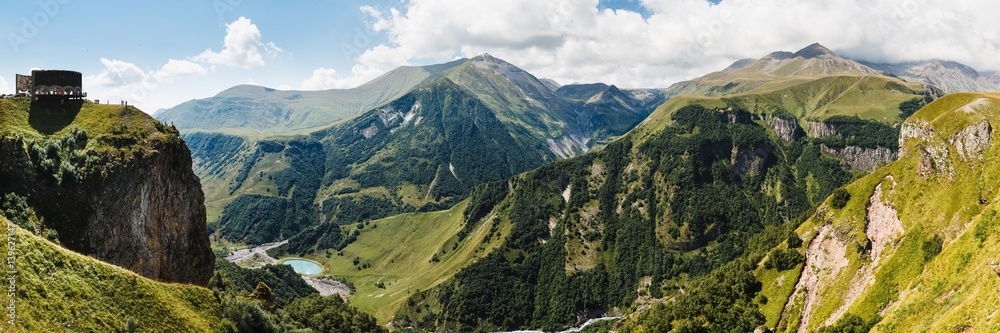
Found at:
(794, 241)
(932, 247)
(248, 316)
(783, 259)
(839, 198)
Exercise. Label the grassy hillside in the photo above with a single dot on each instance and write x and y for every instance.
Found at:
(57, 289)
(396, 257)
(934, 270)
(868, 97)
(109, 125)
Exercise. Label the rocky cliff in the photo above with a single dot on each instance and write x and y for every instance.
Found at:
(786, 129)
(863, 158)
(124, 193)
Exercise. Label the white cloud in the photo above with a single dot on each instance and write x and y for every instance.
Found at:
(327, 78)
(321, 79)
(4, 87)
(178, 68)
(241, 47)
(117, 73)
(121, 80)
(572, 40)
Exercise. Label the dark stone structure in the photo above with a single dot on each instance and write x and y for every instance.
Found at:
(52, 83)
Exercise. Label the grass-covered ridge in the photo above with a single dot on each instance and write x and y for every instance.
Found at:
(56, 289)
(115, 133)
(937, 273)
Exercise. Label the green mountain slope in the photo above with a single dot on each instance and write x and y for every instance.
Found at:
(617, 226)
(565, 125)
(404, 254)
(56, 289)
(914, 247)
(258, 110)
(422, 151)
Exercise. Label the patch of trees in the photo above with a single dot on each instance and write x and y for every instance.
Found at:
(839, 198)
(481, 201)
(854, 131)
(908, 108)
(282, 279)
(931, 247)
(783, 259)
(63, 158)
(718, 302)
(360, 208)
(275, 299)
(16, 209)
(323, 236)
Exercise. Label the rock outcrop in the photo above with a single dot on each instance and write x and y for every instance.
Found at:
(826, 256)
(786, 129)
(819, 129)
(144, 212)
(971, 141)
(882, 223)
(749, 160)
(863, 158)
(914, 129)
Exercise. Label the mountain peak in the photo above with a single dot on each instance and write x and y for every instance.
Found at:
(813, 51)
(485, 57)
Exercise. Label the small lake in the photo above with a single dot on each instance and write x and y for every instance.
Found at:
(305, 267)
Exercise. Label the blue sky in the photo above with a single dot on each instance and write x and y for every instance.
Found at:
(160, 53)
(148, 33)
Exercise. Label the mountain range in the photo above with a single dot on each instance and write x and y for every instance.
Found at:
(467, 122)
(798, 192)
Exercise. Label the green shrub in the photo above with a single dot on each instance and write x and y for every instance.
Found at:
(248, 316)
(794, 241)
(783, 259)
(839, 198)
(931, 247)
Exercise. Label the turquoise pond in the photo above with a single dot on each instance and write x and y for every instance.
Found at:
(304, 266)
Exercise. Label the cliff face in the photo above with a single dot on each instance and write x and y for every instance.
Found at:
(146, 215)
(786, 129)
(863, 158)
(113, 183)
(818, 129)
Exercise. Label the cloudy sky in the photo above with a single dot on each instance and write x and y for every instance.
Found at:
(157, 54)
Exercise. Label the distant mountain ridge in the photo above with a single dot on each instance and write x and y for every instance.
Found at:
(950, 76)
(771, 72)
(262, 111)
